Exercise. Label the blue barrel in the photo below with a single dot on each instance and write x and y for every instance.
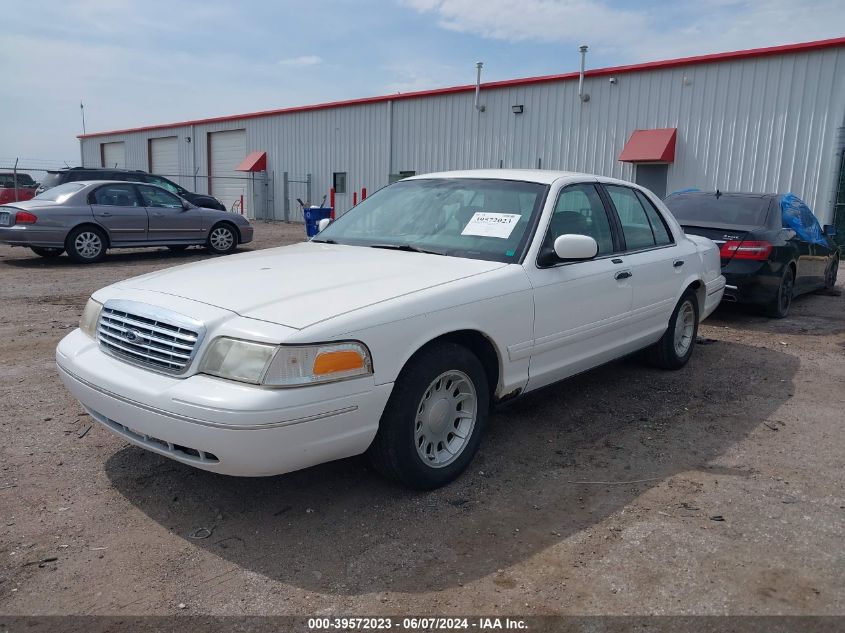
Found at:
(313, 216)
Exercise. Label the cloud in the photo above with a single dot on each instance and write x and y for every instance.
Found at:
(302, 60)
(650, 31)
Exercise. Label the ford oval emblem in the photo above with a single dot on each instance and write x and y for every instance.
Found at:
(132, 336)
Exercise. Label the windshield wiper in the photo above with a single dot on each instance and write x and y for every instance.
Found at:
(406, 247)
(324, 241)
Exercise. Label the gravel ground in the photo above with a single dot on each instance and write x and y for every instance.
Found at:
(717, 489)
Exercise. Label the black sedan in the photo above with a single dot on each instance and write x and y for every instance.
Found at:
(771, 245)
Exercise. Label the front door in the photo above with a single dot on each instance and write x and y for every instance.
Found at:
(581, 308)
(169, 220)
(119, 210)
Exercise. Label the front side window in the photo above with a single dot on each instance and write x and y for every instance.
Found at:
(155, 197)
(164, 183)
(460, 217)
(115, 196)
(579, 210)
(635, 225)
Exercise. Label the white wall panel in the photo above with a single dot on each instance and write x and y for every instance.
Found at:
(765, 124)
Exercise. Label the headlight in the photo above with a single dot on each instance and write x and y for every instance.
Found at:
(286, 366)
(90, 316)
(237, 360)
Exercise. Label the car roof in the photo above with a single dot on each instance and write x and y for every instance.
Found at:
(745, 194)
(65, 170)
(541, 176)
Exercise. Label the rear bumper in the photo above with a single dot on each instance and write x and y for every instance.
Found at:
(714, 291)
(32, 235)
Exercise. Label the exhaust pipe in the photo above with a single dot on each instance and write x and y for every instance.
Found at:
(581, 94)
(478, 106)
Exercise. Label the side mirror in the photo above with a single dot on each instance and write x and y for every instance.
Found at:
(571, 247)
(186, 205)
(830, 230)
(322, 224)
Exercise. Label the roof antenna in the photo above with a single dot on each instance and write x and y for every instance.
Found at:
(718, 194)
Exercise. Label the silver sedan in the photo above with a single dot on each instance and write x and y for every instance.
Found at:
(86, 218)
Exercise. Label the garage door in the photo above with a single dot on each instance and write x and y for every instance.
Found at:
(226, 151)
(113, 155)
(164, 156)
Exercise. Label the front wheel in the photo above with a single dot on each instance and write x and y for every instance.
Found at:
(433, 422)
(831, 274)
(222, 239)
(47, 252)
(675, 347)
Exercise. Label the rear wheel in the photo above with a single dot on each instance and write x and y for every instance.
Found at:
(47, 252)
(779, 306)
(831, 274)
(222, 239)
(86, 245)
(675, 347)
(433, 422)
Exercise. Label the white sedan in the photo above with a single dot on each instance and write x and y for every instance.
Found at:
(396, 328)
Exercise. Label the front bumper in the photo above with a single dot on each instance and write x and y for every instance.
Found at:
(246, 233)
(220, 425)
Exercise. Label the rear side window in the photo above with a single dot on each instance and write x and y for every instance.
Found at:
(115, 196)
(635, 224)
(662, 237)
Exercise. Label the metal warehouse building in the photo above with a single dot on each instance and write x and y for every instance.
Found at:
(763, 120)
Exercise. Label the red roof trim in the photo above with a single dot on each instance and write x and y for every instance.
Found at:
(527, 81)
(650, 146)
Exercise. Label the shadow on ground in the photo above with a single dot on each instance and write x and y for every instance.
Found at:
(340, 529)
(128, 256)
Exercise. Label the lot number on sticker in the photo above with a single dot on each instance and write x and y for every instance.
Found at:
(484, 224)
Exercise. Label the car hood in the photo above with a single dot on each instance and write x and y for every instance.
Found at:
(303, 284)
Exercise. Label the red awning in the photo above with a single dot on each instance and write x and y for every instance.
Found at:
(256, 161)
(650, 146)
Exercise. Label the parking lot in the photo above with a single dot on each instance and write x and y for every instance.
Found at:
(715, 489)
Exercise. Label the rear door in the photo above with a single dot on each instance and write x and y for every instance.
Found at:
(657, 264)
(169, 221)
(117, 208)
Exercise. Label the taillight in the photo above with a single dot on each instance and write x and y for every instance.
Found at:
(25, 217)
(749, 249)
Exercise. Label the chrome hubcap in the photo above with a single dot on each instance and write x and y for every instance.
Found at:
(684, 328)
(88, 244)
(445, 418)
(222, 239)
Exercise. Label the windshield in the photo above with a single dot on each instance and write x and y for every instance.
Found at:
(461, 217)
(727, 209)
(60, 193)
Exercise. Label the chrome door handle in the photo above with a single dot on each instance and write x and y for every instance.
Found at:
(105, 214)
(678, 263)
(623, 274)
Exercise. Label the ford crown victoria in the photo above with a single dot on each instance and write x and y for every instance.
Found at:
(396, 328)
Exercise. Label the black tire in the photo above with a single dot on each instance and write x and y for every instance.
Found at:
(178, 248)
(222, 239)
(668, 353)
(394, 452)
(49, 253)
(778, 308)
(86, 245)
(831, 274)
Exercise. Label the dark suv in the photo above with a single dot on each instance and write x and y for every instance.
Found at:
(72, 174)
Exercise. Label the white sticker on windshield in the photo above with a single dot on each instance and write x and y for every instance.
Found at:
(485, 224)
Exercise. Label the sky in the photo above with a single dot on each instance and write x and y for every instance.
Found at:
(135, 63)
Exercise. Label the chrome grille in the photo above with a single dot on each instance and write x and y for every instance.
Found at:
(150, 336)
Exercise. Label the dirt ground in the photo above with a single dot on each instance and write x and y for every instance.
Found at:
(737, 505)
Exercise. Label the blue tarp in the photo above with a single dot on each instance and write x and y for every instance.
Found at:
(797, 216)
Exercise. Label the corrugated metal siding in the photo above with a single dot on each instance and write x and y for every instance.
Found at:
(756, 124)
